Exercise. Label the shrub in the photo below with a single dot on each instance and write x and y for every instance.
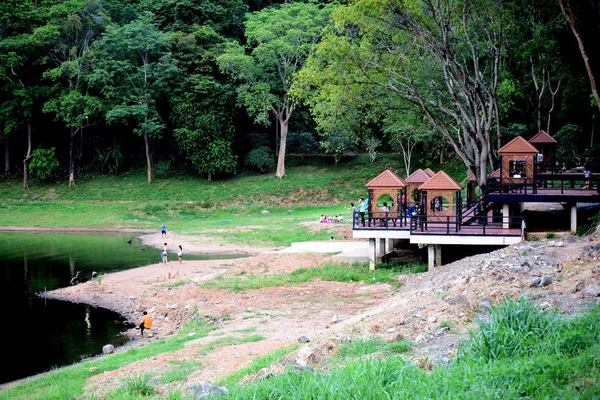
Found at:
(43, 162)
(261, 159)
(302, 143)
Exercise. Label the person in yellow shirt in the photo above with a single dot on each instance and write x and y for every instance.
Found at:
(145, 324)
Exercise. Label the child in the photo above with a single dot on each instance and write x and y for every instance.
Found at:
(145, 324)
(179, 254)
(164, 254)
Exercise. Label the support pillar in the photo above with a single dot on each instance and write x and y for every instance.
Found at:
(389, 245)
(505, 215)
(574, 218)
(438, 255)
(430, 256)
(381, 247)
(372, 254)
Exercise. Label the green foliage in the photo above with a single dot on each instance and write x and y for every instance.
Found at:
(137, 385)
(261, 159)
(302, 143)
(550, 235)
(43, 162)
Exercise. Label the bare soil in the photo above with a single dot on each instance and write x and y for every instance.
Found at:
(432, 309)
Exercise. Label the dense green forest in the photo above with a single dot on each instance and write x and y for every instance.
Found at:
(214, 87)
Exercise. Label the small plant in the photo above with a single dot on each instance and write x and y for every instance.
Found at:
(261, 159)
(138, 385)
(550, 235)
(445, 325)
(534, 239)
(43, 162)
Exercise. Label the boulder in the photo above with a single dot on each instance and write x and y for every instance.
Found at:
(108, 348)
(206, 389)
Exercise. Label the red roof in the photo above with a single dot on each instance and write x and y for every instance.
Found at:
(387, 179)
(542, 137)
(440, 181)
(429, 172)
(419, 176)
(518, 146)
(495, 174)
(471, 177)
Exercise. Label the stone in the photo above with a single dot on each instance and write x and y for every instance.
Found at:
(265, 212)
(458, 299)
(515, 269)
(203, 299)
(556, 243)
(335, 319)
(541, 282)
(303, 339)
(206, 389)
(93, 369)
(391, 330)
(107, 349)
(591, 291)
(485, 304)
(571, 239)
(305, 356)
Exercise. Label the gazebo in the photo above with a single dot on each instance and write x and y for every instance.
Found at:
(441, 197)
(429, 171)
(413, 182)
(547, 147)
(389, 188)
(471, 185)
(517, 162)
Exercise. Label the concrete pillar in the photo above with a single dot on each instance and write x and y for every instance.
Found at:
(381, 246)
(389, 245)
(505, 215)
(438, 255)
(372, 254)
(430, 256)
(574, 218)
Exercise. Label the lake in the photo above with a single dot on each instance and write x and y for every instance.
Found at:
(40, 334)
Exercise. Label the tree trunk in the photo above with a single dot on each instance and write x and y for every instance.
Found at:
(71, 159)
(283, 123)
(148, 157)
(6, 157)
(26, 159)
(567, 10)
(209, 176)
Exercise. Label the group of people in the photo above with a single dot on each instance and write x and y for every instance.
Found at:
(331, 219)
(165, 253)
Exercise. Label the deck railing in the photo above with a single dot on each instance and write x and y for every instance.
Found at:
(479, 226)
(381, 220)
(564, 183)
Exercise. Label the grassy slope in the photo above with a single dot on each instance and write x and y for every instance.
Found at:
(190, 204)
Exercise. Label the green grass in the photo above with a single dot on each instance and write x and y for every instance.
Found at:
(329, 272)
(519, 352)
(190, 204)
(230, 340)
(68, 382)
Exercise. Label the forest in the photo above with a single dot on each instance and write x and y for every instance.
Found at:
(217, 87)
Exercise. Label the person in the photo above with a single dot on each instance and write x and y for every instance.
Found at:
(180, 254)
(586, 175)
(564, 167)
(145, 324)
(411, 210)
(384, 209)
(436, 204)
(163, 229)
(362, 209)
(355, 213)
(164, 254)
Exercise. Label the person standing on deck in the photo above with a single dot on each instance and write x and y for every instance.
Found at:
(362, 208)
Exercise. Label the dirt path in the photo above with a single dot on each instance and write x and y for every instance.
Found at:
(432, 309)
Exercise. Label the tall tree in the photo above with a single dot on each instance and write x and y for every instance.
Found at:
(133, 69)
(443, 56)
(68, 35)
(279, 39)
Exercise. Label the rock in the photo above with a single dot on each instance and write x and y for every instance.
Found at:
(203, 299)
(172, 305)
(335, 319)
(591, 291)
(391, 330)
(303, 339)
(107, 349)
(571, 239)
(556, 243)
(515, 269)
(541, 282)
(545, 306)
(164, 314)
(206, 389)
(169, 332)
(265, 212)
(93, 369)
(485, 304)
(597, 247)
(458, 299)
(305, 356)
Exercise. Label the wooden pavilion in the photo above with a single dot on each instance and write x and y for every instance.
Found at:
(429, 171)
(441, 197)
(471, 186)
(413, 182)
(517, 163)
(389, 188)
(547, 150)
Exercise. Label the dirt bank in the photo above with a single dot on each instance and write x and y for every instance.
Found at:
(432, 309)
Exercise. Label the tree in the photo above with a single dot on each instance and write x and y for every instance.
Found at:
(441, 56)
(69, 33)
(133, 69)
(280, 39)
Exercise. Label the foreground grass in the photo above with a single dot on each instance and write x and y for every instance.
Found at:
(329, 272)
(519, 353)
(69, 382)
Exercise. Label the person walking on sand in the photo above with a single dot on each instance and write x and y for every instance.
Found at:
(163, 229)
(180, 254)
(164, 254)
(145, 324)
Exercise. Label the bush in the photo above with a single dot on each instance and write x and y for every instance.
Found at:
(302, 143)
(43, 162)
(261, 159)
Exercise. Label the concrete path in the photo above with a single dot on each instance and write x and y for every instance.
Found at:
(346, 251)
